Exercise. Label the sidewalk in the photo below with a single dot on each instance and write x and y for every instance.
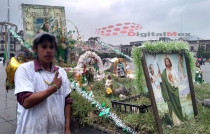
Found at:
(206, 72)
(8, 104)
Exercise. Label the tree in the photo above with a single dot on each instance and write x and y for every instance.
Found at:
(200, 51)
(206, 55)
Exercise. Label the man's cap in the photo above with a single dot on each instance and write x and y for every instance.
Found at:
(43, 35)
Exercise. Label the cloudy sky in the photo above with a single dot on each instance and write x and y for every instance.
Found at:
(153, 16)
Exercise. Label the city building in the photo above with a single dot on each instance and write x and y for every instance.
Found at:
(126, 49)
(15, 46)
(193, 44)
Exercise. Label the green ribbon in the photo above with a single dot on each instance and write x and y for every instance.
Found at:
(106, 112)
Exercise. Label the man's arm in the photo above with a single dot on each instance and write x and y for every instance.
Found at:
(67, 117)
(36, 98)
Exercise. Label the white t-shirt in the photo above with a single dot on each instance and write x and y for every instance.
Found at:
(47, 117)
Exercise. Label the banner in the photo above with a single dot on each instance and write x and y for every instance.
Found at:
(37, 18)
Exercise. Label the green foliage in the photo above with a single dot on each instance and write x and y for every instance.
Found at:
(206, 55)
(80, 107)
(192, 61)
(70, 75)
(200, 51)
(72, 41)
(139, 74)
(141, 122)
(67, 65)
(126, 82)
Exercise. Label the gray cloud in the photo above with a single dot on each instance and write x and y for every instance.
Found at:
(154, 16)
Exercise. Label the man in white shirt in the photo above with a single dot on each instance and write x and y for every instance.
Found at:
(43, 92)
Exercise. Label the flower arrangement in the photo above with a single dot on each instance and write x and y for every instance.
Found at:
(91, 62)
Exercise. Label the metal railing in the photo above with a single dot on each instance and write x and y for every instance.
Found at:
(130, 108)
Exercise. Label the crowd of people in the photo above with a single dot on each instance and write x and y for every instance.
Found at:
(202, 61)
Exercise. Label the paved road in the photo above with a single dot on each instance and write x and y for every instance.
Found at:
(206, 72)
(8, 110)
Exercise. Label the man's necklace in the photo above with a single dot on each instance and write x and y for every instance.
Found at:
(46, 82)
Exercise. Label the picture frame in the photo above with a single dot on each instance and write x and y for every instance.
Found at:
(170, 86)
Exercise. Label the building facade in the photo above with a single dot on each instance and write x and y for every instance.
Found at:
(15, 47)
(126, 49)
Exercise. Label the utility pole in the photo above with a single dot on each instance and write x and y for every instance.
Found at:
(8, 35)
(8, 15)
(181, 23)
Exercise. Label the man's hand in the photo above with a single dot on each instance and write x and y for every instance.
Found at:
(67, 131)
(171, 80)
(57, 81)
(158, 70)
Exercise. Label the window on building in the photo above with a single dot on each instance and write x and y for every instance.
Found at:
(207, 47)
(1, 37)
(11, 47)
(11, 40)
(2, 47)
(192, 48)
(22, 48)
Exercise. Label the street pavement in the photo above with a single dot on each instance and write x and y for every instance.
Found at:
(206, 72)
(8, 105)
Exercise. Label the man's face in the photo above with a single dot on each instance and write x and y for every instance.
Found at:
(152, 67)
(46, 51)
(152, 71)
(47, 26)
(168, 63)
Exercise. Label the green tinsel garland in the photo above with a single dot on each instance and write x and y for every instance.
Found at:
(139, 74)
(155, 48)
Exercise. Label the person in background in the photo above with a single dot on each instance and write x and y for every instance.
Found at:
(3, 62)
(201, 61)
(43, 92)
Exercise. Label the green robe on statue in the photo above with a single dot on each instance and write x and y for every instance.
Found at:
(61, 54)
(170, 95)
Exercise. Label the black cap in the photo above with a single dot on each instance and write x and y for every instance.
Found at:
(44, 35)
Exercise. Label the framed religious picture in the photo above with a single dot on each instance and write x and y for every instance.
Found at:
(169, 81)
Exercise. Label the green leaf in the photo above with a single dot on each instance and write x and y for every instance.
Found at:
(103, 104)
